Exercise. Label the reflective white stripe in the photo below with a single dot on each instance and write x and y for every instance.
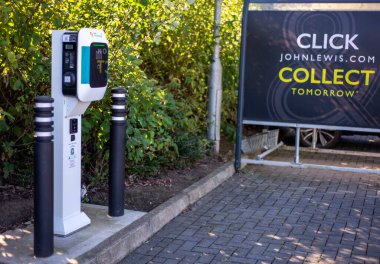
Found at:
(43, 119)
(118, 107)
(118, 95)
(118, 118)
(43, 105)
(43, 134)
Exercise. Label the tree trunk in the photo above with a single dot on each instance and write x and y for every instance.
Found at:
(215, 84)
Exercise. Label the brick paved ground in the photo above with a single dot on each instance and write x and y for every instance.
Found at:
(332, 159)
(275, 215)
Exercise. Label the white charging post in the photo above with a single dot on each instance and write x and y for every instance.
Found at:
(79, 76)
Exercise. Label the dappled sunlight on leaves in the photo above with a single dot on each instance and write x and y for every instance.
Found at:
(159, 50)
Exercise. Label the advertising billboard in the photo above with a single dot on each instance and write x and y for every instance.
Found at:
(311, 65)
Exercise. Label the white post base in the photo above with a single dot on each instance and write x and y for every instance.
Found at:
(71, 224)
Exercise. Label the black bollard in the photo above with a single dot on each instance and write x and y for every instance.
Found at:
(117, 153)
(43, 177)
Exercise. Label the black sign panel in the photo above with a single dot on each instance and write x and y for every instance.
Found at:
(98, 65)
(312, 67)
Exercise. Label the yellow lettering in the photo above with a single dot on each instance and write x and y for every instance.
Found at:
(313, 80)
(347, 77)
(324, 75)
(305, 78)
(340, 76)
(367, 73)
(281, 74)
(337, 76)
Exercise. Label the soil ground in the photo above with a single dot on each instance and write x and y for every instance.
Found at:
(146, 194)
(16, 203)
(16, 206)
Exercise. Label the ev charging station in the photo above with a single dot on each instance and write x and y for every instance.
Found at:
(79, 76)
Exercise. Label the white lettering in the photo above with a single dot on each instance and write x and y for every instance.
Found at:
(336, 41)
(315, 46)
(349, 41)
(331, 41)
(299, 41)
(325, 37)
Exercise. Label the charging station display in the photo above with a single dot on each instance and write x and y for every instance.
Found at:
(92, 64)
(84, 64)
(98, 65)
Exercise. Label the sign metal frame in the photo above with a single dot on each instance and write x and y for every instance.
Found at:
(281, 5)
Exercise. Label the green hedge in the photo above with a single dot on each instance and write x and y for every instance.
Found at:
(160, 50)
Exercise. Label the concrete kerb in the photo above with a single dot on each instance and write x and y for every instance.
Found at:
(119, 245)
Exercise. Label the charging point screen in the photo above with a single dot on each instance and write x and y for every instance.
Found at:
(98, 65)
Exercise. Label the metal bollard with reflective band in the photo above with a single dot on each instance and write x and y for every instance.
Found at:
(43, 177)
(117, 153)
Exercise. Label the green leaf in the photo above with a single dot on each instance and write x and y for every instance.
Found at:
(3, 126)
(11, 57)
(8, 169)
(17, 85)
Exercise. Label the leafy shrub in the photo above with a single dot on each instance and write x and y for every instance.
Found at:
(230, 43)
(159, 49)
(192, 146)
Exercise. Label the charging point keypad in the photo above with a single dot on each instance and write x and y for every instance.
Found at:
(69, 67)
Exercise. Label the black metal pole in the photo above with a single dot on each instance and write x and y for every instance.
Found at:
(117, 153)
(43, 177)
(239, 127)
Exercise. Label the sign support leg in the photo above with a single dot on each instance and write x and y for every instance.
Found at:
(297, 147)
(315, 134)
